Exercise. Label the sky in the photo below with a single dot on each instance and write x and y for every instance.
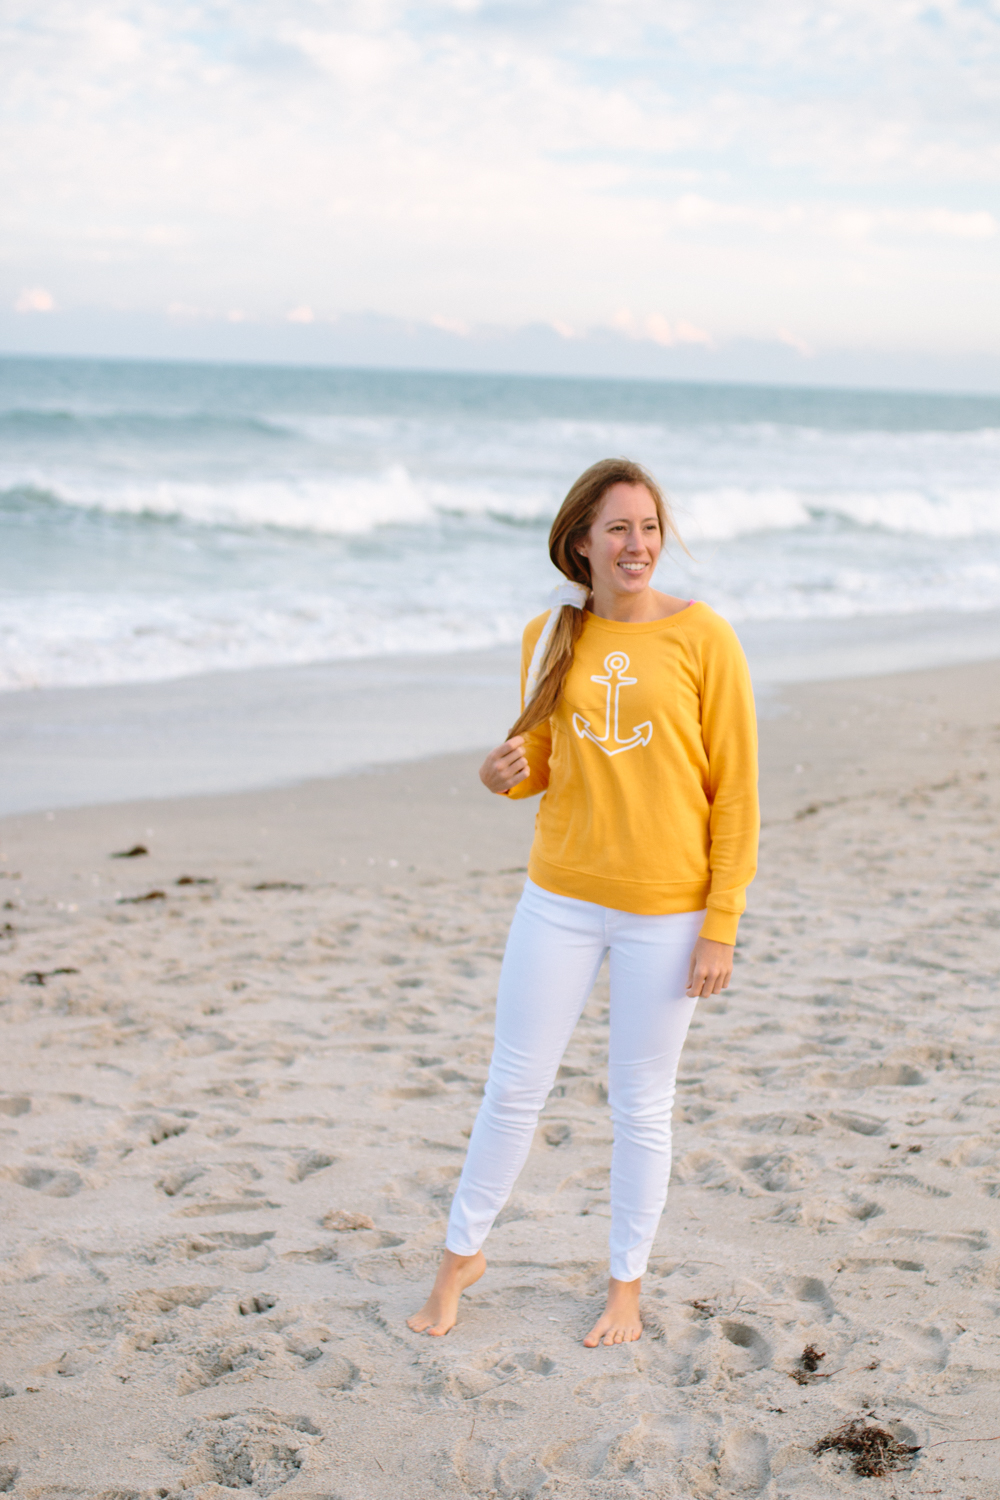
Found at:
(639, 186)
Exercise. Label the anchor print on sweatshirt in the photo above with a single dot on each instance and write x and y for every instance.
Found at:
(614, 679)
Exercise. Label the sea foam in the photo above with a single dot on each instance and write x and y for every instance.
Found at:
(163, 520)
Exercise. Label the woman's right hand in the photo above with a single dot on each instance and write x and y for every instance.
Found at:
(505, 766)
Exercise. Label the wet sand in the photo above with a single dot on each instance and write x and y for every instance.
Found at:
(280, 726)
(233, 1115)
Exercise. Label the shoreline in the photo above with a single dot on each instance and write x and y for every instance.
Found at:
(280, 726)
(821, 743)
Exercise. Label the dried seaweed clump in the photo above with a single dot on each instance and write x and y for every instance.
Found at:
(873, 1451)
(808, 1364)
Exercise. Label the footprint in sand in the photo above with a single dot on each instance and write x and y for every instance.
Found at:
(339, 1374)
(262, 1302)
(860, 1124)
(171, 1183)
(907, 1180)
(257, 1450)
(533, 1362)
(304, 1163)
(169, 1298)
(840, 1209)
(306, 1342)
(811, 1290)
(163, 1129)
(920, 1348)
(584, 1459)
(481, 1377)
(474, 1464)
(742, 1348)
(743, 1461)
(517, 1362)
(223, 1361)
(706, 1169)
(220, 1239)
(603, 1390)
(341, 1221)
(652, 1445)
(885, 1075)
(250, 1203)
(777, 1171)
(316, 1255)
(520, 1474)
(50, 1181)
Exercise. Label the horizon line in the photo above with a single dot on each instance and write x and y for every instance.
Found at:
(457, 372)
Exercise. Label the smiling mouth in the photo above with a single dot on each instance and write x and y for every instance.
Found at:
(633, 567)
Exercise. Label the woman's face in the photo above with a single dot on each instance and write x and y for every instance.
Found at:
(623, 544)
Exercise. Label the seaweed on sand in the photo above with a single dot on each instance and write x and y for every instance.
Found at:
(873, 1451)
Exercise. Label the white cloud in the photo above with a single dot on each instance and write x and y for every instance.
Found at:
(657, 329)
(458, 326)
(969, 226)
(34, 299)
(691, 211)
(687, 333)
(816, 164)
(185, 312)
(792, 341)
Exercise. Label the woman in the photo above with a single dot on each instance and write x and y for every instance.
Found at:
(638, 725)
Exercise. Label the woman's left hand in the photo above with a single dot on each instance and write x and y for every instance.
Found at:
(711, 968)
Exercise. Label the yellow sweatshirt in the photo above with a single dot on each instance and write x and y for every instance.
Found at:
(649, 770)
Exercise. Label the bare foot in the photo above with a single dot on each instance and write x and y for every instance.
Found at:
(440, 1311)
(620, 1322)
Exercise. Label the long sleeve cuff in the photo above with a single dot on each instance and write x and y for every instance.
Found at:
(720, 926)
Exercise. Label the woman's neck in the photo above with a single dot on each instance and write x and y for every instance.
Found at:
(635, 609)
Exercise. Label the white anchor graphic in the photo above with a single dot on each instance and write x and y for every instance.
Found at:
(615, 667)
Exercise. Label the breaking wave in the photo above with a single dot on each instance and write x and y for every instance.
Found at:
(353, 505)
(157, 521)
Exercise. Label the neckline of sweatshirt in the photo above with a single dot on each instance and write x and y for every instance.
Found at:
(640, 627)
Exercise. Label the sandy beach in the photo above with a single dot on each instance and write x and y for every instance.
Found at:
(239, 1070)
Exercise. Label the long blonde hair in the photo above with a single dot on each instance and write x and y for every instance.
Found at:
(576, 515)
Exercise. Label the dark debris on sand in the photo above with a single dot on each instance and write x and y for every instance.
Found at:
(39, 976)
(807, 1366)
(873, 1452)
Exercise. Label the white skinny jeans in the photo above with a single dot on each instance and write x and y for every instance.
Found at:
(555, 948)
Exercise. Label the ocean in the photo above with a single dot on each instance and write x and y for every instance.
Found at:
(160, 520)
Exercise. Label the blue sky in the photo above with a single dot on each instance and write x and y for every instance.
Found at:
(682, 177)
